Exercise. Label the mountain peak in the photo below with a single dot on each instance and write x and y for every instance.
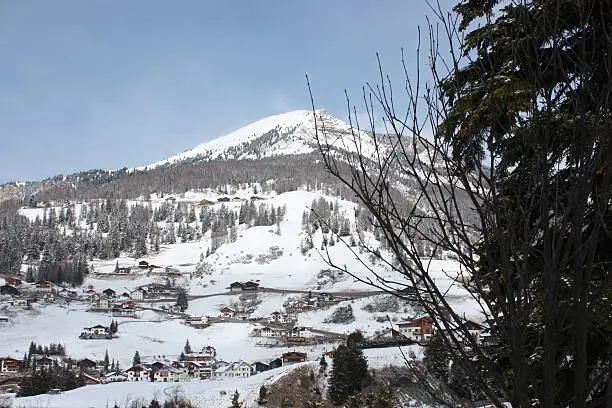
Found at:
(283, 134)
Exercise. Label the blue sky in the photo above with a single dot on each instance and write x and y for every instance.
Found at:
(116, 83)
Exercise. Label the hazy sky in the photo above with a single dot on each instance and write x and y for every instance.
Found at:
(114, 83)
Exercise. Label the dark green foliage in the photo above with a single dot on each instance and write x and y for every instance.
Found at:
(437, 358)
(136, 359)
(187, 348)
(354, 338)
(42, 381)
(236, 400)
(263, 395)
(182, 300)
(349, 370)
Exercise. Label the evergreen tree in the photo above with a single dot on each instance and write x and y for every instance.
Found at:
(349, 369)
(106, 361)
(236, 400)
(187, 348)
(437, 358)
(136, 359)
(182, 300)
(263, 395)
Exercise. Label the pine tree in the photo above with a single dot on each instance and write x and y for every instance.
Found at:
(106, 361)
(436, 358)
(187, 348)
(349, 369)
(136, 359)
(263, 395)
(182, 300)
(236, 400)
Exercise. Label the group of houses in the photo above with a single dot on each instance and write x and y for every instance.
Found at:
(23, 294)
(204, 365)
(296, 334)
(312, 301)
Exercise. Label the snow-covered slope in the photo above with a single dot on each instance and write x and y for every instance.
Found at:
(284, 134)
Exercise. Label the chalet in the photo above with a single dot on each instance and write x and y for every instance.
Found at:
(292, 357)
(87, 364)
(474, 329)
(236, 287)
(44, 287)
(300, 331)
(114, 377)
(488, 338)
(251, 286)
(237, 369)
(89, 380)
(143, 265)
(44, 363)
(90, 294)
(261, 367)
(138, 373)
(273, 332)
(49, 298)
(208, 353)
(8, 290)
(124, 271)
(96, 332)
(13, 281)
(9, 365)
(197, 321)
(19, 302)
(124, 296)
(101, 303)
(67, 293)
(420, 329)
(109, 293)
(277, 317)
(205, 202)
(4, 319)
(138, 294)
(119, 311)
(227, 312)
(277, 362)
(167, 374)
(223, 199)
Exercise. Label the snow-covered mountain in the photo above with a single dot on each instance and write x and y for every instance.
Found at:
(285, 134)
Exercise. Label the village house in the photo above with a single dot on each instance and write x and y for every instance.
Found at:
(260, 367)
(10, 365)
(49, 298)
(19, 302)
(236, 287)
(87, 364)
(138, 373)
(474, 329)
(420, 329)
(206, 202)
(232, 370)
(143, 265)
(114, 377)
(273, 332)
(197, 321)
(227, 312)
(96, 332)
(90, 380)
(101, 302)
(250, 286)
(167, 374)
(124, 296)
(208, 353)
(4, 319)
(293, 357)
(8, 290)
(45, 363)
(44, 287)
(138, 294)
(67, 293)
(109, 293)
(277, 317)
(13, 281)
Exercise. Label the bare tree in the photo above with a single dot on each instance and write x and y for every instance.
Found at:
(501, 161)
